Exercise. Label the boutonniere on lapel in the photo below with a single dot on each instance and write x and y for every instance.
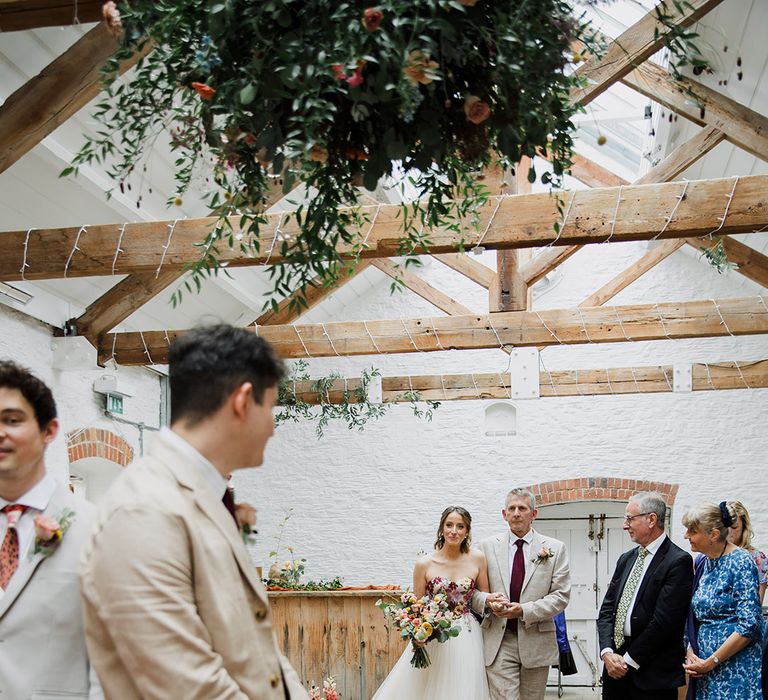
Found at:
(544, 554)
(245, 514)
(50, 531)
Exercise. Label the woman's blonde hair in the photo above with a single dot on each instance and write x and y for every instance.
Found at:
(747, 533)
(708, 517)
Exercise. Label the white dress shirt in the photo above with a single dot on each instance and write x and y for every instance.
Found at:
(211, 475)
(36, 500)
(527, 538)
(652, 548)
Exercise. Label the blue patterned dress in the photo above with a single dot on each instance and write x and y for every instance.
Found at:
(726, 601)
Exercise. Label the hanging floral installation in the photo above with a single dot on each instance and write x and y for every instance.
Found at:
(336, 96)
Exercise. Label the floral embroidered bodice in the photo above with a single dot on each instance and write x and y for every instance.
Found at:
(457, 592)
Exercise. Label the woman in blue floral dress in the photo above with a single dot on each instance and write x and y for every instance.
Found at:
(726, 611)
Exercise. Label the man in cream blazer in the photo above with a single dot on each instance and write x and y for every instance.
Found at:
(518, 628)
(42, 645)
(173, 606)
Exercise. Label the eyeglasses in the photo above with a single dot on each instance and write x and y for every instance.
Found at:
(628, 520)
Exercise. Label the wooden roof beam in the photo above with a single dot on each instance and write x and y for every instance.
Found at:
(520, 221)
(749, 262)
(633, 46)
(669, 320)
(289, 310)
(675, 163)
(741, 126)
(61, 89)
(422, 288)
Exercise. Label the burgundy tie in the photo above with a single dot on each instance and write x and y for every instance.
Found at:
(516, 581)
(9, 550)
(228, 499)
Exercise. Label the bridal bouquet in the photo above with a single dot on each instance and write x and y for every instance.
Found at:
(422, 620)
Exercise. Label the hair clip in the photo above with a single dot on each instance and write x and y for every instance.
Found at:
(725, 515)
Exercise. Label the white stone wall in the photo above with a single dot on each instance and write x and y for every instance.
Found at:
(364, 504)
(29, 342)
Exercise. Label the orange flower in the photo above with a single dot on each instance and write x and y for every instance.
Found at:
(372, 19)
(355, 154)
(476, 110)
(419, 69)
(318, 154)
(206, 92)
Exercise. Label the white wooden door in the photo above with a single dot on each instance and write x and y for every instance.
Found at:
(592, 532)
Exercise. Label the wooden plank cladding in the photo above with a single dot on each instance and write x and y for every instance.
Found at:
(338, 633)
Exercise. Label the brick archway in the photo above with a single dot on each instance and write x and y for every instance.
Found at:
(598, 488)
(97, 442)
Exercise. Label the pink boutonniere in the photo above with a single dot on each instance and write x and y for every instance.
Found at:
(50, 531)
(544, 554)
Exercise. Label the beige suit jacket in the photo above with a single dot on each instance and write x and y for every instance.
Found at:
(42, 645)
(546, 591)
(173, 607)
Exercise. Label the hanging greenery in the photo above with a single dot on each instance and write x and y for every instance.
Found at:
(336, 95)
(329, 398)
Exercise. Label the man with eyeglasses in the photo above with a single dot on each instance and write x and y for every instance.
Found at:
(642, 618)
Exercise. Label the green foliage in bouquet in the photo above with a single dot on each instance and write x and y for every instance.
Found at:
(337, 95)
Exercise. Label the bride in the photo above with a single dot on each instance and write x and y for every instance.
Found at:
(457, 670)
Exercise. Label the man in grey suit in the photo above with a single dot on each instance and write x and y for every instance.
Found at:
(41, 629)
(530, 583)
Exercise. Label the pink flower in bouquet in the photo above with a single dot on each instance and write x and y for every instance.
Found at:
(476, 110)
(47, 529)
(356, 79)
(372, 19)
(112, 18)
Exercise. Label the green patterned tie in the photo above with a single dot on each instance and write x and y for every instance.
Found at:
(626, 597)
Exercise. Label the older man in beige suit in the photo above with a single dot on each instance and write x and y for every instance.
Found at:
(173, 605)
(530, 583)
(42, 646)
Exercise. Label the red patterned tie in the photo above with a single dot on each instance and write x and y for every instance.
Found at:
(9, 551)
(516, 581)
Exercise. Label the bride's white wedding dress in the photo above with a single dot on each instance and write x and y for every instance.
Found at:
(457, 671)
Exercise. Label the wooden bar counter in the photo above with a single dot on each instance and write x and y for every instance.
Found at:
(340, 633)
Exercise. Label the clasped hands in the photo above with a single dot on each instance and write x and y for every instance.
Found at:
(696, 667)
(501, 607)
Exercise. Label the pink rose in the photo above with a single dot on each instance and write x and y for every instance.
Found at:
(356, 79)
(372, 19)
(112, 18)
(338, 71)
(476, 110)
(47, 528)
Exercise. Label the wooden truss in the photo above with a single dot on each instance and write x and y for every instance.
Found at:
(653, 207)
(603, 324)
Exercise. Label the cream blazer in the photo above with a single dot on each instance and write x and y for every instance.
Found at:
(42, 646)
(546, 591)
(173, 607)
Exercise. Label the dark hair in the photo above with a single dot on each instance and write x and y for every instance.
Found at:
(207, 364)
(34, 390)
(465, 516)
